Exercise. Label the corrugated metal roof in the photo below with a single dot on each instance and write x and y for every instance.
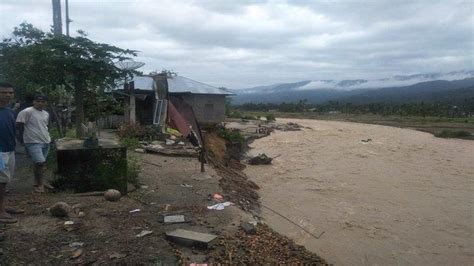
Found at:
(144, 83)
(178, 84)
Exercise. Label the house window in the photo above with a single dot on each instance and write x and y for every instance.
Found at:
(209, 111)
(159, 112)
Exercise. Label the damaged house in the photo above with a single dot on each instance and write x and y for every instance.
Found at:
(146, 99)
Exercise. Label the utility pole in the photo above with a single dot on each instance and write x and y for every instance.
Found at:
(67, 18)
(57, 21)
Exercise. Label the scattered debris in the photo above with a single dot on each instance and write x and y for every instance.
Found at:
(81, 214)
(143, 187)
(116, 255)
(112, 195)
(76, 244)
(144, 233)
(176, 218)
(135, 210)
(68, 222)
(186, 185)
(220, 206)
(77, 253)
(60, 209)
(180, 143)
(366, 140)
(260, 159)
(169, 142)
(191, 238)
(140, 150)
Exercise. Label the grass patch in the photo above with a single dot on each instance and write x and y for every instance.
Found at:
(130, 143)
(459, 134)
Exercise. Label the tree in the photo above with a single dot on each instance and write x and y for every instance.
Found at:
(39, 61)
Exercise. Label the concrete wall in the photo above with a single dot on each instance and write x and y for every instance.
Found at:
(209, 108)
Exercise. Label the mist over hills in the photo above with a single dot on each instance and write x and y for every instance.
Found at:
(445, 87)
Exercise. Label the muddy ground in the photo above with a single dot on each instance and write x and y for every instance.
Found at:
(107, 233)
(382, 195)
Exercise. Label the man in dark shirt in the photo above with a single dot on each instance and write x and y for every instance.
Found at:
(7, 146)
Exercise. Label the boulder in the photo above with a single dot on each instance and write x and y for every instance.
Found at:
(60, 209)
(112, 195)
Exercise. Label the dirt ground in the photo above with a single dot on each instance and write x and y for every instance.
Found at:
(381, 195)
(107, 232)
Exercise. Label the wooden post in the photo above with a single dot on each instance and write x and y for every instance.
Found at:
(133, 118)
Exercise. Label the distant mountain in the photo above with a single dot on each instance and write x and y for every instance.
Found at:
(398, 89)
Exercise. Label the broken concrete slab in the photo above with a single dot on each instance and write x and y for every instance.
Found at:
(174, 218)
(191, 238)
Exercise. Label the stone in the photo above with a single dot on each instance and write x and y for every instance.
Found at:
(112, 195)
(249, 228)
(192, 238)
(60, 209)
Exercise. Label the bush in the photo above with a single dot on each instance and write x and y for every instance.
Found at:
(270, 117)
(130, 143)
(461, 134)
(139, 132)
(234, 114)
(230, 135)
(249, 117)
(133, 170)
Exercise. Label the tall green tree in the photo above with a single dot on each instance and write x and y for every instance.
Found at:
(62, 65)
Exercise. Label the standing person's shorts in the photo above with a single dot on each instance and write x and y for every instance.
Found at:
(38, 152)
(7, 166)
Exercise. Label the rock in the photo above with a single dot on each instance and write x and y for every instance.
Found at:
(77, 253)
(131, 187)
(112, 195)
(140, 150)
(249, 228)
(81, 214)
(60, 209)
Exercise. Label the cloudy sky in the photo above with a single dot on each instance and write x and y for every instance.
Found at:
(245, 43)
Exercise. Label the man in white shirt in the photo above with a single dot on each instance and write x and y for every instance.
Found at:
(32, 124)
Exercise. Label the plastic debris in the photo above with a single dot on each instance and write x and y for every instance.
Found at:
(68, 222)
(76, 244)
(135, 210)
(144, 233)
(220, 206)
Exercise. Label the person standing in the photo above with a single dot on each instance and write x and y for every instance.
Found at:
(7, 147)
(32, 123)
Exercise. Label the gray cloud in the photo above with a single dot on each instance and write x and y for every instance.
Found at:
(254, 42)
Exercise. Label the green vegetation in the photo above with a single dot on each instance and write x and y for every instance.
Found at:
(70, 70)
(230, 135)
(460, 134)
(130, 143)
(464, 109)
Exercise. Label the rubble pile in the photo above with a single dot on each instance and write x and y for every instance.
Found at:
(264, 247)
